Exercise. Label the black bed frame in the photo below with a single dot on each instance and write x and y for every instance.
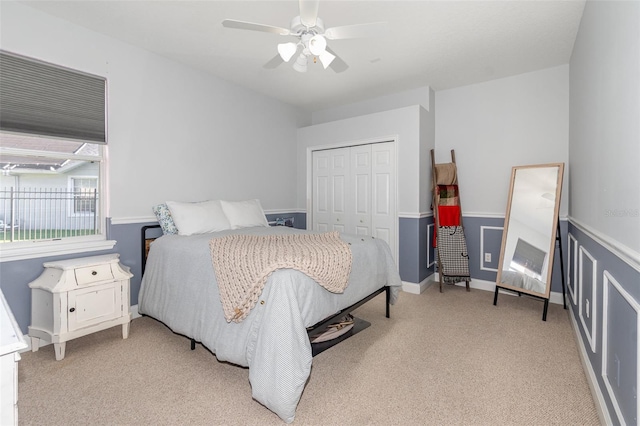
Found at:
(316, 348)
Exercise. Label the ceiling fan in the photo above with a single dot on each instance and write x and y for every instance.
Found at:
(312, 37)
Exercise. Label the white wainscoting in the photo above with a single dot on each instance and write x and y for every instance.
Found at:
(610, 282)
(572, 279)
(592, 379)
(591, 314)
(482, 251)
(430, 248)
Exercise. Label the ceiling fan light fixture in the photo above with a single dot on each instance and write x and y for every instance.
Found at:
(326, 58)
(300, 64)
(287, 50)
(317, 44)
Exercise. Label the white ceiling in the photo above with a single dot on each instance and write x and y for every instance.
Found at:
(442, 44)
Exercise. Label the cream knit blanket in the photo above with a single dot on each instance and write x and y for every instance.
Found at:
(242, 264)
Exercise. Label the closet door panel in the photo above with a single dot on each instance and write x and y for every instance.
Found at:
(383, 234)
(362, 194)
(339, 197)
(322, 227)
(321, 194)
(361, 189)
(339, 172)
(362, 201)
(362, 219)
(383, 193)
(321, 202)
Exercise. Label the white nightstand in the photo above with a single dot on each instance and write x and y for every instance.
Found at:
(76, 297)
(11, 342)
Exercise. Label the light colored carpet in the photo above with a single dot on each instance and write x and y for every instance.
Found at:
(441, 359)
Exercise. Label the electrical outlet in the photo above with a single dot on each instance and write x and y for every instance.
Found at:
(487, 257)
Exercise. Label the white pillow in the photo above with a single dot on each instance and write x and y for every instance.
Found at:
(244, 214)
(198, 218)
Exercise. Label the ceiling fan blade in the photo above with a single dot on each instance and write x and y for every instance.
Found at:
(338, 65)
(309, 12)
(356, 31)
(242, 25)
(273, 63)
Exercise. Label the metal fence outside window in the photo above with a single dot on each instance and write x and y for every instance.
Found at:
(47, 213)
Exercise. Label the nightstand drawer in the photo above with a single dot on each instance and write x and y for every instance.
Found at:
(93, 274)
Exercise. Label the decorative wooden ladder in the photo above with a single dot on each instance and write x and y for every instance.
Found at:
(456, 260)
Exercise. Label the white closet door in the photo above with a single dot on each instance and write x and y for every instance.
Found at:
(331, 182)
(360, 190)
(383, 214)
(321, 196)
(354, 191)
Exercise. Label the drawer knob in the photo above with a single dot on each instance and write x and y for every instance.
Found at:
(94, 273)
(72, 310)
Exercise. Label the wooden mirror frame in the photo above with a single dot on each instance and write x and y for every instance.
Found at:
(552, 231)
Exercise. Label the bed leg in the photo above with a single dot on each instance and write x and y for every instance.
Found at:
(193, 344)
(388, 299)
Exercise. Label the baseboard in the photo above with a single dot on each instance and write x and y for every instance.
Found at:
(592, 380)
(417, 288)
(554, 297)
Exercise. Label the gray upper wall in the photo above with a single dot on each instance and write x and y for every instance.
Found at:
(422, 96)
(499, 124)
(604, 140)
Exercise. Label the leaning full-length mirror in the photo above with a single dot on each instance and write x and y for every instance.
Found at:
(529, 236)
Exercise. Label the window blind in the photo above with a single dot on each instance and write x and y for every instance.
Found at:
(45, 99)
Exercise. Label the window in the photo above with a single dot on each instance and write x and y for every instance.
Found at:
(49, 188)
(52, 141)
(85, 194)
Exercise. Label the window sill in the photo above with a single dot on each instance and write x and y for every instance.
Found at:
(37, 249)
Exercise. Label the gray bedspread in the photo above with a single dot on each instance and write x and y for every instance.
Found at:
(179, 288)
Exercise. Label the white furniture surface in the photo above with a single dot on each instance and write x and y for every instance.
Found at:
(76, 297)
(11, 341)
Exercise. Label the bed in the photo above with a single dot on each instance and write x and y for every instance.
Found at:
(179, 288)
(519, 279)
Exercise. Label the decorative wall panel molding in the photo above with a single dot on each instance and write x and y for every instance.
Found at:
(430, 250)
(612, 377)
(482, 249)
(587, 310)
(572, 268)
